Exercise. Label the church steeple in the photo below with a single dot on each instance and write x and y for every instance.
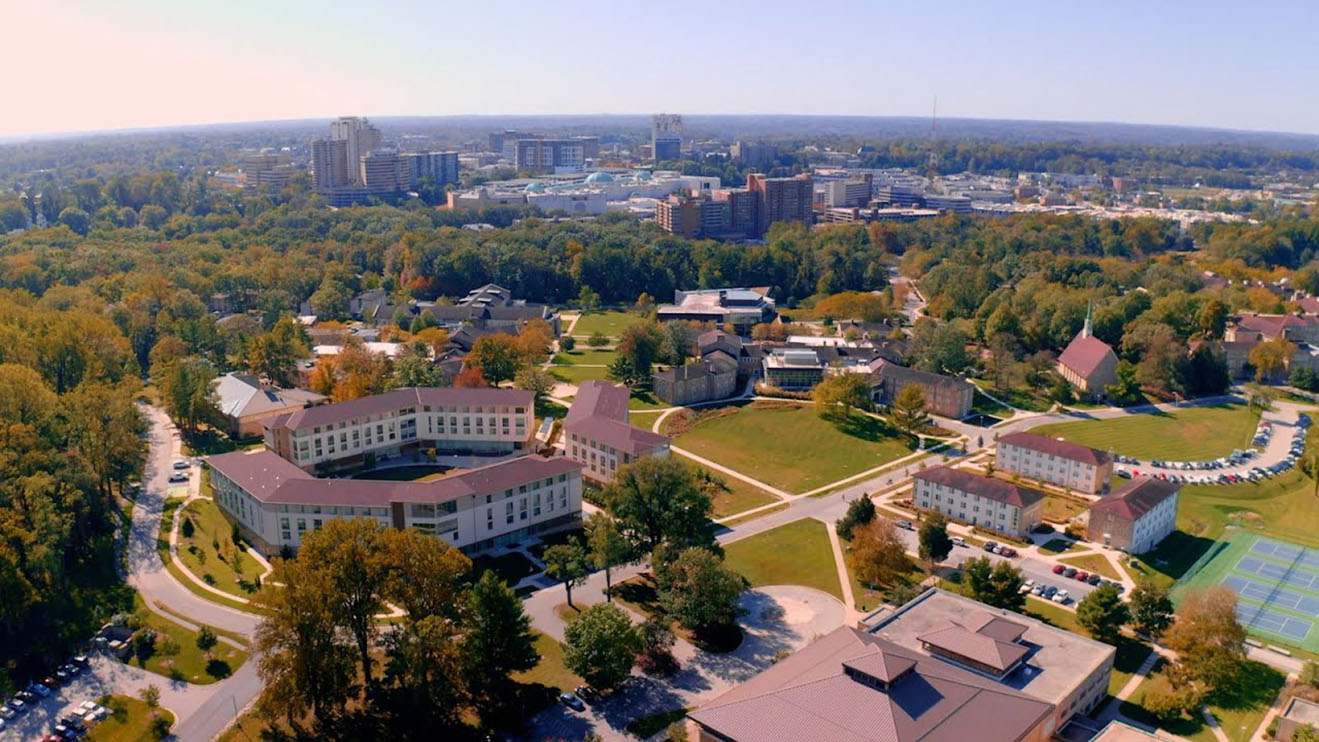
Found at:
(1088, 329)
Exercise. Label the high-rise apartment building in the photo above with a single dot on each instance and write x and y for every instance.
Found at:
(549, 155)
(267, 168)
(755, 155)
(741, 209)
(440, 167)
(666, 137)
(780, 200)
(385, 171)
(360, 138)
(329, 164)
(693, 216)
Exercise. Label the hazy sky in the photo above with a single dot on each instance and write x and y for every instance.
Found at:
(75, 65)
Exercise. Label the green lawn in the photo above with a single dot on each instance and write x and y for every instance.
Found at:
(177, 654)
(1284, 506)
(212, 552)
(551, 671)
(739, 497)
(1192, 434)
(1170, 560)
(609, 322)
(129, 721)
(1060, 509)
(1130, 652)
(787, 446)
(1093, 563)
(578, 374)
(643, 400)
(797, 553)
(584, 357)
(1240, 707)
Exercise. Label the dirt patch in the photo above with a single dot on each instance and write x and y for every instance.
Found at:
(683, 421)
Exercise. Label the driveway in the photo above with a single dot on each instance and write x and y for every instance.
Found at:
(778, 618)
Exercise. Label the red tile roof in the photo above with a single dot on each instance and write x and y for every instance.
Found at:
(599, 412)
(1084, 354)
(398, 399)
(1056, 447)
(1136, 498)
(981, 486)
(990, 642)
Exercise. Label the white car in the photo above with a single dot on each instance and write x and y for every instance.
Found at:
(1060, 597)
(1026, 587)
(7, 713)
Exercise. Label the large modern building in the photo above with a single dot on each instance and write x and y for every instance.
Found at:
(978, 500)
(694, 216)
(329, 164)
(439, 167)
(1052, 460)
(359, 138)
(247, 403)
(1136, 517)
(944, 395)
(737, 307)
(549, 155)
(596, 431)
(755, 155)
(276, 503)
(385, 171)
(781, 200)
(448, 419)
(666, 137)
(1088, 363)
(942, 667)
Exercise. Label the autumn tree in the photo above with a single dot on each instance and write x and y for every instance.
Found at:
(841, 395)
(878, 554)
(1209, 642)
(1151, 609)
(498, 356)
(860, 512)
(1270, 358)
(908, 410)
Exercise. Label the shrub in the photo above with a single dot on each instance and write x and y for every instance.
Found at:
(187, 529)
(206, 639)
(567, 342)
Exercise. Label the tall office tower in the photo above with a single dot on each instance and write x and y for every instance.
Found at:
(781, 200)
(666, 137)
(360, 138)
(383, 171)
(549, 155)
(441, 167)
(757, 156)
(267, 168)
(329, 164)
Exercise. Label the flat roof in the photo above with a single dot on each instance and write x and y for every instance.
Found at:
(1056, 663)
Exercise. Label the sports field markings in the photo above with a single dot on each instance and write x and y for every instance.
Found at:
(1278, 573)
(1285, 552)
(1279, 596)
(1263, 619)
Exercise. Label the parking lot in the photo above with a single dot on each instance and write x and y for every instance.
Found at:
(1275, 448)
(73, 698)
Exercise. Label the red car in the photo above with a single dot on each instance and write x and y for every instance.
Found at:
(1082, 576)
(1058, 569)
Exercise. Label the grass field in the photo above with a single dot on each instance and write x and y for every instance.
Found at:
(609, 322)
(1059, 509)
(211, 551)
(1284, 506)
(797, 553)
(642, 400)
(550, 672)
(1170, 560)
(1192, 434)
(578, 374)
(177, 654)
(129, 721)
(788, 446)
(1093, 563)
(584, 357)
(740, 496)
(1239, 708)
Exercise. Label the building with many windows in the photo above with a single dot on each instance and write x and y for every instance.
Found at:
(978, 500)
(448, 419)
(276, 503)
(781, 200)
(439, 167)
(944, 395)
(596, 431)
(1136, 517)
(1052, 460)
(738, 307)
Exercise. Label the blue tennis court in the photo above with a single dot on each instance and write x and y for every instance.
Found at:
(1294, 576)
(1286, 552)
(1263, 619)
(1271, 594)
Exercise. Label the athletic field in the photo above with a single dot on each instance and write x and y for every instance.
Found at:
(1277, 585)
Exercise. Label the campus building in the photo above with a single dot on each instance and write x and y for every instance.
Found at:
(1088, 363)
(276, 503)
(1136, 517)
(712, 377)
(597, 434)
(978, 500)
(944, 395)
(448, 419)
(1070, 465)
(247, 403)
(737, 307)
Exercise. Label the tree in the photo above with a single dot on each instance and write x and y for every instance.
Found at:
(187, 529)
(699, 591)
(608, 547)
(1169, 705)
(657, 642)
(497, 356)
(103, 423)
(1127, 388)
(567, 563)
(413, 370)
(1151, 609)
(423, 574)
(424, 319)
(597, 339)
(1310, 457)
(187, 390)
(567, 343)
(1207, 638)
(206, 639)
(535, 381)
(497, 638)
(424, 673)
(588, 300)
(1270, 358)
(330, 300)
(878, 554)
(657, 500)
(76, 219)
(535, 339)
(1103, 613)
(996, 584)
(275, 354)
(349, 552)
(150, 696)
(841, 394)
(601, 645)
(935, 544)
(638, 349)
(860, 512)
(470, 378)
(1212, 319)
(908, 410)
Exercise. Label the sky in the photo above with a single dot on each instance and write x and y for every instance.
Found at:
(77, 65)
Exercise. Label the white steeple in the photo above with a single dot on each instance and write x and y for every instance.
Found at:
(1088, 329)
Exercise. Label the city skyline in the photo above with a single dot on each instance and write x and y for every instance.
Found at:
(92, 68)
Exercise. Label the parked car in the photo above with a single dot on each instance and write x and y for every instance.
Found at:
(572, 701)
(990, 546)
(1037, 590)
(178, 478)
(958, 541)
(1095, 579)
(1081, 576)
(17, 704)
(1007, 551)
(906, 525)
(38, 689)
(51, 683)
(181, 464)
(1058, 569)
(1026, 587)
(1069, 572)
(1049, 592)
(586, 693)
(6, 712)
(1060, 597)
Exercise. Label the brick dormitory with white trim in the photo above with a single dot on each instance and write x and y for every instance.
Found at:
(981, 501)
(1056, 461)
(275, 497)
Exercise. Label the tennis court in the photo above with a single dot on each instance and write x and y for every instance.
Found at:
(1277, 585)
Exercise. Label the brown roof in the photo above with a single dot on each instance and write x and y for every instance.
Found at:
(985, 645)
(981, 486)
(398, 399)
(1136, 498)
(1056, 447)
(599, 399)
(262, 475)
(1274, 325)
(599, 411)
(883, 368)
(850, 686)
(1084, 354)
